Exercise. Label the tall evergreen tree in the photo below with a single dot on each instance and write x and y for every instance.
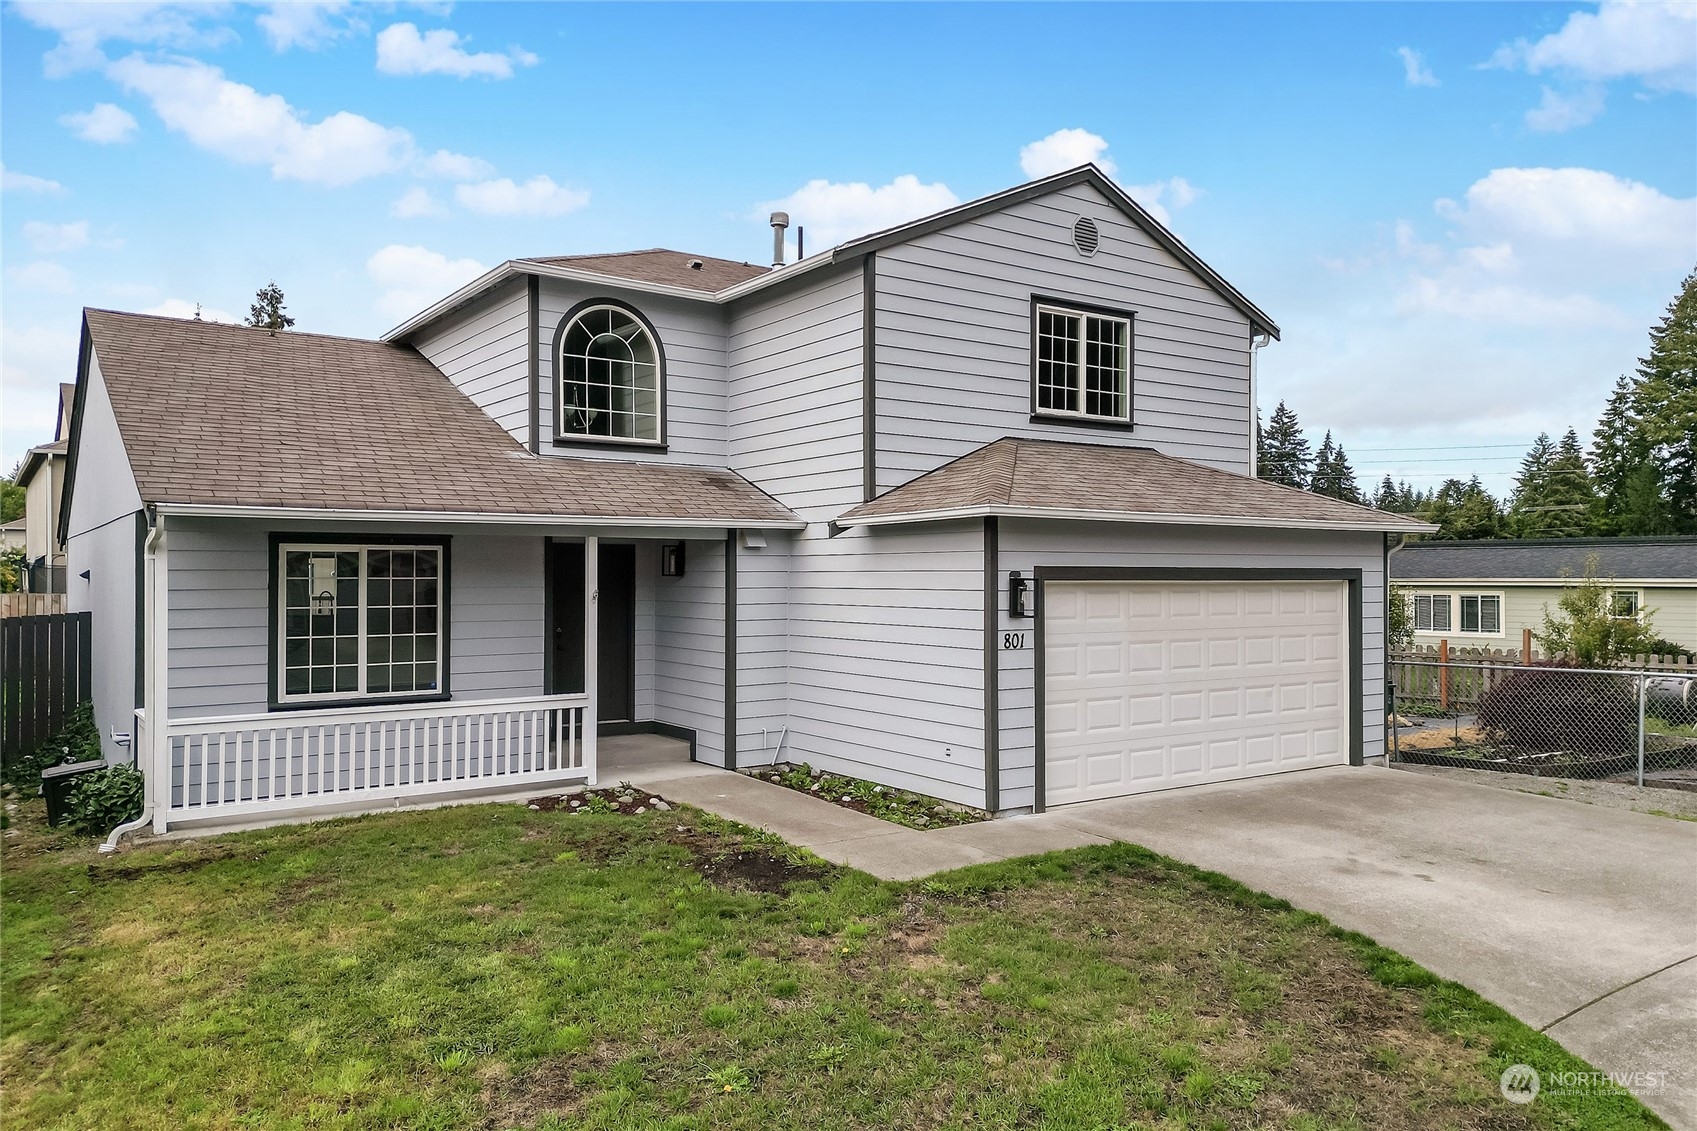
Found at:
(1333, 477)
(1463, 510)
(1285, 452)
(1618, 448)
(1641, 510)
(1666, 404)
(1387, 498)
(267, 311)
(1553, 496)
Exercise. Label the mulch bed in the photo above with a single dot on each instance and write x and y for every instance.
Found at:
(629, 802)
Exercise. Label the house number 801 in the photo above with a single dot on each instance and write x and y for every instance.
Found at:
(1013, 641)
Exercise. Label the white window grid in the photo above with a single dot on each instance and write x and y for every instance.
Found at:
(1083, 365)
(1625, 604)
(351, 658)
(1459, 614)
(609, 383)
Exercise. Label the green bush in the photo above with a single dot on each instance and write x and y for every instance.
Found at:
(101, 800)
(77, 741)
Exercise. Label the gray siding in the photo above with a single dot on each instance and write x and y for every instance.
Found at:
(689, 645)
(102, 540)
(1026, 545)
(763, 653)
(220, 602)
(692, 334)
(954, 338)
(481, 349)
(795, 379)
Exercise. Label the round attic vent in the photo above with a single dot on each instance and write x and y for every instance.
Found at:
(1085, 237)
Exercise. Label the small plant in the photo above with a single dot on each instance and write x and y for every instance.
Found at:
(828, 1058)
(101, 800)
(596, 803)
(728, 1079)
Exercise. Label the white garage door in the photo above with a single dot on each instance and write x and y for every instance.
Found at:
(1152, 685)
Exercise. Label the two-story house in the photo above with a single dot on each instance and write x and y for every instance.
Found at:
(964, 506)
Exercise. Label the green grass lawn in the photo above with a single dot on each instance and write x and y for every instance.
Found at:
(496, 967)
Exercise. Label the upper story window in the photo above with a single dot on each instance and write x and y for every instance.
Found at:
(610, 376)
(1080, 364)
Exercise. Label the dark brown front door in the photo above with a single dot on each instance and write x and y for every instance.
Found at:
(616, 700)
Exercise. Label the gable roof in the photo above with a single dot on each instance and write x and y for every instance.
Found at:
(657, 270)
(659, 265)
(1547, 559)
(223, 419)
(1096, 482)
(39, 457)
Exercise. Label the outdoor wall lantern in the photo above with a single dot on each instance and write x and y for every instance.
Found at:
(1019, 595)
(323, 585)
(672, 559)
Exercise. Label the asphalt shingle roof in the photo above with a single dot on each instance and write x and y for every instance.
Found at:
(659, 265)
(235, 416)
(1546, 559)
(1052, 475)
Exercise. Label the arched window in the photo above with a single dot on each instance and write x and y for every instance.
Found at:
(610, 375)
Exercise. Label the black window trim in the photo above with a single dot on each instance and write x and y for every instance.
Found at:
(572, 439)
(1038, 416)
(274, 626)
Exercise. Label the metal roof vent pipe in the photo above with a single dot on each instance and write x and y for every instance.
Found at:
(780, 221)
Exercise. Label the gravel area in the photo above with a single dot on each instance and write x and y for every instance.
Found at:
(1681, 803)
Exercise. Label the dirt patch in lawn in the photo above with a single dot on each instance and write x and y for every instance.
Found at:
(558, 1086)
(737, 865)
(629, 802)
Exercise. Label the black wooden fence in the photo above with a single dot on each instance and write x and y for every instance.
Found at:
(45, 670)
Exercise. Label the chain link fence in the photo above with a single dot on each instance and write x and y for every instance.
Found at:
(1545, 719)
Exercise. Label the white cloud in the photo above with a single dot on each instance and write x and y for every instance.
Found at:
(1415, 72)
(1654, 42)
(42, 275)
(51, 239)
(416, 202)
(1162, 198)
(539, 196)
(413, 277)
(455, 166)
(1587, 219)
(236, 121)
(104, 124)
(833, 212)
(403, 50)
(308, 24)
(1065, 149)
(83, 28)
(183, 308)
(1557, 111)
(11, 181)
(35, 355)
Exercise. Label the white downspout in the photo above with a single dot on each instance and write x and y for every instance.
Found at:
(1256, 342)
(154, 604)
(591, 653)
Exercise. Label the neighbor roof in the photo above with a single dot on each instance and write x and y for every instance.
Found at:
(39, 457)
(222, 418)
(1546, 559)
(657, 270)
(658, 265)
(1057, 479)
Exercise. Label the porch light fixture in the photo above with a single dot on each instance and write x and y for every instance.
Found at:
(672, 559)
(323, 579)
(1019, 595)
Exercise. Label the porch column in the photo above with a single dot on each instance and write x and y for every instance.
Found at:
(156, 760)
(591, 648)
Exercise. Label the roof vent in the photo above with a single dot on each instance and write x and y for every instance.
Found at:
(1085, 237)
(695, 265)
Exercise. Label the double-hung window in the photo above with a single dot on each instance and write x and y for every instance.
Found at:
(360, 622)
(1431, 612)
(1081, 364)
(1482, 613)
(1623, 604)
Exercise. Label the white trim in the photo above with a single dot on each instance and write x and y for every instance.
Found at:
(221, 510)
(996, 511)
(1081, 343)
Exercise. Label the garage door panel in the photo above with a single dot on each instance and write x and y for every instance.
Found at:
(1155, 685)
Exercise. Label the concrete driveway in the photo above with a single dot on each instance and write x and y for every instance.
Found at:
(1579, 920)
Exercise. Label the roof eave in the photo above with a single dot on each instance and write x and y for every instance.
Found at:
(998, 510)
(235, 510)
(1547, 582)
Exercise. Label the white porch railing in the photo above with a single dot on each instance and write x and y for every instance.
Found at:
(240, 766)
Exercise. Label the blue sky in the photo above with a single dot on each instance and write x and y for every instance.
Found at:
(1464, 217)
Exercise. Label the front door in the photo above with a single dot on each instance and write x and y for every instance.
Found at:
(616, 642)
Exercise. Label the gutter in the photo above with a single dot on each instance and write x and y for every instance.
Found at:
(155, 681)
(476, 518)
(1001, 511)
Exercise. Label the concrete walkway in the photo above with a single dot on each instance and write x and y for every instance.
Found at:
(1579, 920)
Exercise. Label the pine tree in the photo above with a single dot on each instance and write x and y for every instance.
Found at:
(1553, 496)
(1322, 479)
(1284, 451)
(1387, 498)
(1618, 449)
(1666, 404)
(1344, 476)
(1641, 511)
(1463, 510)
(267, 312)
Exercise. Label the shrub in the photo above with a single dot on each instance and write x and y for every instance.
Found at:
(77, 741)
(101, 800)
(1548, 706)
(1585, 627)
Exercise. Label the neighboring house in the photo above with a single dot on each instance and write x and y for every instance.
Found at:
(962, 507)
(42, 476)
(12, 534)
(1484, 593)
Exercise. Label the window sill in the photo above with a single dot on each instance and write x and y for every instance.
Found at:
(360, 701)
(1082, 422)
(608, 444)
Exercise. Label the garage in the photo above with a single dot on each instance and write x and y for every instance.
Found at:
(1158, 684)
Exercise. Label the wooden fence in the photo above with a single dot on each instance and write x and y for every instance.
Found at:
(45, 672)
(1424, 675)
(31, 604)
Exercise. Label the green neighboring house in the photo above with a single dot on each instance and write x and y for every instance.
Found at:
(1482, 593)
